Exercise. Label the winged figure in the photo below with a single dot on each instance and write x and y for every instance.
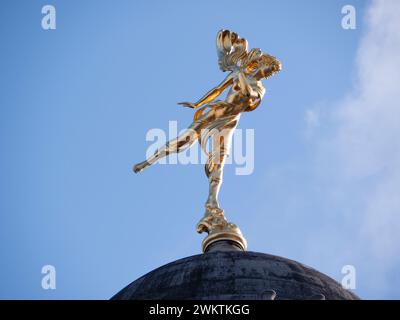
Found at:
(217, 119)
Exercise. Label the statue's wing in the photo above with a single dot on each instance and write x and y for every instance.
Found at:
(230, 49)
(260, 63)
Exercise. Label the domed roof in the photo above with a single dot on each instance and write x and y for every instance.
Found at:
(234, 275)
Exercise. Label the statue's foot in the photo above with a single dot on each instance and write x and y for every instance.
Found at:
(212, 213)
(140, 166)
(202, 226)
(213, 210)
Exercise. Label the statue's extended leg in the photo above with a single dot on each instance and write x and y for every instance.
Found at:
(176, 145)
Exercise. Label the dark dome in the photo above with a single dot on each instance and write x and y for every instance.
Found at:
(234, 275)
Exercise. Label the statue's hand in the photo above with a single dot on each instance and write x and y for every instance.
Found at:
(187, 104)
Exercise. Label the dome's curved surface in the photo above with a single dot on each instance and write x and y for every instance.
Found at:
(233, 275)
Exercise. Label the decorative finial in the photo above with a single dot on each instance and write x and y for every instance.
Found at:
(217, 120)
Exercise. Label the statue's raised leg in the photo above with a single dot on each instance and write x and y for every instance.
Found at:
(184, 141)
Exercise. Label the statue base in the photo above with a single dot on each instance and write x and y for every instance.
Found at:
(219, 229)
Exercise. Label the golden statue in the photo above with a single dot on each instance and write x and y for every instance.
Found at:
(217, 120)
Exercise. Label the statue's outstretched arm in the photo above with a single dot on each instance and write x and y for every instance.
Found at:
(212, 94)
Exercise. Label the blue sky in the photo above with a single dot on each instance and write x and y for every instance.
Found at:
(76, 104)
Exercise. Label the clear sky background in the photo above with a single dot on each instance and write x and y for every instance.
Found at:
(76, 104)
